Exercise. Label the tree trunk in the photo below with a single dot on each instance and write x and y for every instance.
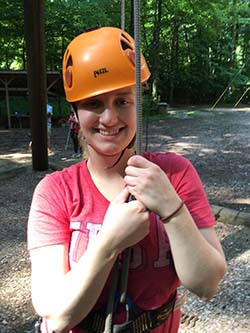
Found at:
(173, 59)
(131, 23)
(235, 37)
(155, 47)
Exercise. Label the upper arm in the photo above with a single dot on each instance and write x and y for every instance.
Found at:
(49, 260)
(49, 264)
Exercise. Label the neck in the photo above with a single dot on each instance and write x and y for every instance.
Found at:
(106, 165)
(109, 180)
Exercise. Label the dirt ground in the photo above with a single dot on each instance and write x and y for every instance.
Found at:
(217, 143)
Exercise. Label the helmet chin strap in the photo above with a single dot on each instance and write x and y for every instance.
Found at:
(117, 161)
(130, 145)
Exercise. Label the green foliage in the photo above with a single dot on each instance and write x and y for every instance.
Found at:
(66, 19)
(11, 36)
(195, 48)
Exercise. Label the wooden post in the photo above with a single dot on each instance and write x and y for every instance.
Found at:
(7, 103)
(7, 99)
(37, 92)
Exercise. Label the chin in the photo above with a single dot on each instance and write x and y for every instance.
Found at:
(109, 148)
(110, 152)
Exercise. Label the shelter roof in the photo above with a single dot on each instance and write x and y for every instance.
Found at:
(16, 83)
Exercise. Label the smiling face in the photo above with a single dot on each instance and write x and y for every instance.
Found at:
(108, 121)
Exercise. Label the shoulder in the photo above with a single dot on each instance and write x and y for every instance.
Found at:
(63, 179)
(72, 170)
(58, 191)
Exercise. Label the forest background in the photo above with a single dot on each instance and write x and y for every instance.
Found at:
(197, 50)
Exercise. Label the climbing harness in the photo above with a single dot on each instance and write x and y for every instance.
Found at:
(139, 321)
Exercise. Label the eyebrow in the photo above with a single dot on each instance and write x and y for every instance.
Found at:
(125, 93)
(120, 94)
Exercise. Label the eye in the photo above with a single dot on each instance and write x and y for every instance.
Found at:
(124, 102)
(91, 104)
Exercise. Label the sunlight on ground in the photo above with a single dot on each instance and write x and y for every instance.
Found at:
(189, 137)
(241, 201)
(244, 258)
(16, 155)
(18, 158)
(229, 152)
(185, 147)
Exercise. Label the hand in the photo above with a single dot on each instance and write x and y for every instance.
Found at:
(125, 223)
(150, 185)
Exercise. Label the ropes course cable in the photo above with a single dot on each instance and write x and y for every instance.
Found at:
(239, 100)
(229, 85)
(137, 37)
(123, 14)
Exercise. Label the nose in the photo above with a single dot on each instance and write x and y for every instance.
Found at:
(109, 116)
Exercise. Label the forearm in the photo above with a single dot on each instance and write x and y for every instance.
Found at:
(199, 265)
(64, 297)
(198, 258)
(71, 297)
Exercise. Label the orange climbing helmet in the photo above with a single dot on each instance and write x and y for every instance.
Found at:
(99, 61)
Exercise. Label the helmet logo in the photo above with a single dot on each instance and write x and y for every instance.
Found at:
(100, 71)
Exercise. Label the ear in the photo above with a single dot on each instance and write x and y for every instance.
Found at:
(131, 56)
(68, 76)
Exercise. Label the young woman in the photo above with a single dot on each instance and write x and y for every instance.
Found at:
(81, 218)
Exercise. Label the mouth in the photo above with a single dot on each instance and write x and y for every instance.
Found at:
(109, 133)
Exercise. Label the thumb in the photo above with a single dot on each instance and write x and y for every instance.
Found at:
(122, 196)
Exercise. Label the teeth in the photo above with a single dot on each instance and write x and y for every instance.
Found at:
(108, 133)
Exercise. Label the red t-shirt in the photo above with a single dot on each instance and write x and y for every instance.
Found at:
(67, 207)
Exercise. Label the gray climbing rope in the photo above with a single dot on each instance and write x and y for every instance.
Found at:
(127, 253)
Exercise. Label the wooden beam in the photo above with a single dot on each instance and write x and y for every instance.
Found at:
(231, 216)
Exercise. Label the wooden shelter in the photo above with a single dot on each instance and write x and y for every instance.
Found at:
(14, 83)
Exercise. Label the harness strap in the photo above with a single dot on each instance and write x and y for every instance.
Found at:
(111, 299)
(143, 323)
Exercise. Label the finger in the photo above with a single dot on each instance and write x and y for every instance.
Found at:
(138, 204)
(135, 171)
(145, 208)
(130, 180)
(138, 161)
